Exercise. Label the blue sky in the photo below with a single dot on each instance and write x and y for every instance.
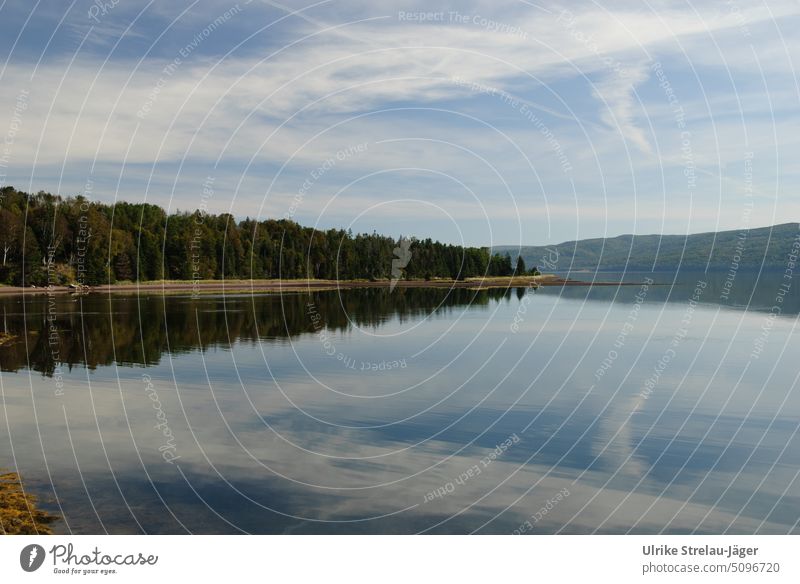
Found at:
(476, 122)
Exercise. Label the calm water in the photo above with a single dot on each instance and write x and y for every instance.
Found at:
(659, 408)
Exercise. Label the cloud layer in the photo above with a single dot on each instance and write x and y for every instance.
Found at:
(522, 122)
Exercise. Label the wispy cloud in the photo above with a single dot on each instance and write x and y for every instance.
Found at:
(275, 88)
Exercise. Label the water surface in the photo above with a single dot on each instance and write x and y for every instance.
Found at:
(644, 408)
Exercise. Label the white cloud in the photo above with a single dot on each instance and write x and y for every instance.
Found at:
(285, 100)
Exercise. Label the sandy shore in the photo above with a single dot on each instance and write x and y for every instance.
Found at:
(239, 286)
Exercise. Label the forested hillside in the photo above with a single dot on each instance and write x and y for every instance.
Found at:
(766, 247)
(47, 239)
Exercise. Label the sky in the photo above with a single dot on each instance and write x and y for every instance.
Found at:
(482, 123)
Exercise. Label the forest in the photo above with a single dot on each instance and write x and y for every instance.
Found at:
(47, 239)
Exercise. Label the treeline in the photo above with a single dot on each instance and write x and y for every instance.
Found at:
(47, 239)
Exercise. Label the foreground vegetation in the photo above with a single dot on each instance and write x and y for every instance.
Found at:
(19, 514)
(46, 239)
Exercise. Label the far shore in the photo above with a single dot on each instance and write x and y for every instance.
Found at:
(257, 286)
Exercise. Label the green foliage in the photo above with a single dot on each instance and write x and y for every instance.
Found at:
(43, 234)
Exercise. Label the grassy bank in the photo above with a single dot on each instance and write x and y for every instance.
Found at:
(19, 512)
(240, 286)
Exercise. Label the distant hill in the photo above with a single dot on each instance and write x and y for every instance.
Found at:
(752, 248)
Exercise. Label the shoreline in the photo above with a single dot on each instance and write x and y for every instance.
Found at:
(258, 286)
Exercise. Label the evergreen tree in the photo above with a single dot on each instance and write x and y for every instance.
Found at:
(99, 243)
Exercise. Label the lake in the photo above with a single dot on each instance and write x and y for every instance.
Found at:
(668, 405)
